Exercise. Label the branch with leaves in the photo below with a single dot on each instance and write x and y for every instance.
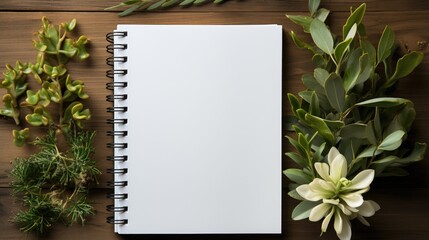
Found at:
(149, 5)
(347, 113)
(52, 184)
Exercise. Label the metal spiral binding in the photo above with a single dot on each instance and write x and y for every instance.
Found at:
(111, 60)
(113, 85)
(112, 98)
(117, 133)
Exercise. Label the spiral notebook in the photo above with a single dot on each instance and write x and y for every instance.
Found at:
(196, 136)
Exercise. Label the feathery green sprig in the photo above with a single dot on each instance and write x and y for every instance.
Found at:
(53, 184)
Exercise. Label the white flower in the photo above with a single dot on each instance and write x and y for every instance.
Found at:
(339, 197)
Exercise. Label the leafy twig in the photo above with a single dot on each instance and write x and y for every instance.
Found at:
(149, 5)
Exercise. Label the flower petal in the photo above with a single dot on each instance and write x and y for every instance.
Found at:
(345, 233)
(345, 210)
(323, 187)
(338, 222)
(305, 192)
(331, 201)
(368, 208)
(362, 180)
(363, 220)
(338, 168)
(323, 170)
(319, 211)
(332, 154)
(327, 219)
(352, 199)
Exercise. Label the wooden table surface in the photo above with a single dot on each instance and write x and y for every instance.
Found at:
(404, 201)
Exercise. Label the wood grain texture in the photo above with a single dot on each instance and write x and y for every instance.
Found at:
(404, 213)
(227, 6)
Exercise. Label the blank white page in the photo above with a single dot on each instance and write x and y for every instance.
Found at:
(204, 129)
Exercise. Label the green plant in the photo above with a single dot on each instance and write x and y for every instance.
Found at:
(52, 184)
(347, 103)
(56, 87)
(149, 5)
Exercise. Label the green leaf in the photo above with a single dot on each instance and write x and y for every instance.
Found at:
(370, 133)
(82, 54)
(378, 131)
(352, 69)
(32, 98)
(169, 3)
(386, 44)
(294, 194)
(303, 209)
(355, 18)
(322, 14)
(156, 5)
(303, 21)
(323, 100)
(300, 43)
(312, 84)
(392, 142)
(381, 164)
(367, 47)
(297, 175)
(322, 37)
(341, 49)
(366, 69)
(321, 75)
(302, 161)
(417, 154)
(385, 102)
(302, 140)
(354, 130)
(335, 92)
(294, 103)
(71, 25)
(297, 146)
(313, 5)
(405, 66)
(319, 61)
(37, 119)
(20, 136)
(401, 121)
(314, 105)
(369, 152)
(319, 125)
(130, 10)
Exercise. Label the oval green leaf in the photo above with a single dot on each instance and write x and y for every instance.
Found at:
(322, 37)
